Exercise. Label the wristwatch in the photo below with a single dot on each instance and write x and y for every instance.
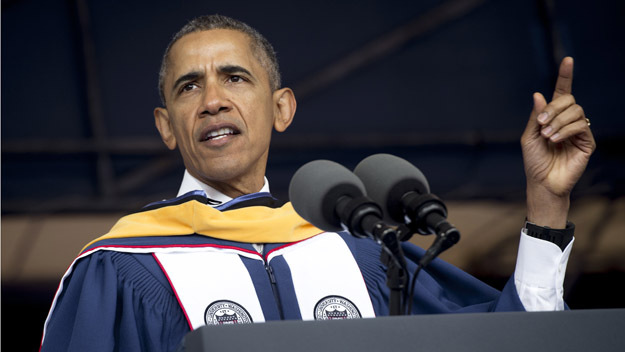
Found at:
(561, 237)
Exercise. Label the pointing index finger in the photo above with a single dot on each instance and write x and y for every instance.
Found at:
(565, 78)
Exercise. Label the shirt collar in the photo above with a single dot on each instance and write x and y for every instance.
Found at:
(190, 183)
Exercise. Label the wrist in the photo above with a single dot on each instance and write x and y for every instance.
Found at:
(545, 208)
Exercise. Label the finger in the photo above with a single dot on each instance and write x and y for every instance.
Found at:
(570, 130)
(572, 114)
(565, 78)
(555, 108)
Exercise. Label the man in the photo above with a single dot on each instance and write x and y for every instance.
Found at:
(224, 251)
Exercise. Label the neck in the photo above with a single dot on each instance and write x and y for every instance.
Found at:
(222, 191)
(236, 189)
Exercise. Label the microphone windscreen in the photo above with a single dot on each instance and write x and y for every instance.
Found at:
(316, 188)
(387, 178)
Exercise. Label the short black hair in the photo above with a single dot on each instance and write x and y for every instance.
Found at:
(260, 45)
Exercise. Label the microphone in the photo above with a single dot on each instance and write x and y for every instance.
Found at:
(403, 192)
(332, 198)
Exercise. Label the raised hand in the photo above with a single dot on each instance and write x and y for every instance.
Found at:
(557, 144)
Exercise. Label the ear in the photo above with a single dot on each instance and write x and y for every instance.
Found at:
(163, 124)
(284, 108)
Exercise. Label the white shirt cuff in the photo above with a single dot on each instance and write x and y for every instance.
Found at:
(539, 273)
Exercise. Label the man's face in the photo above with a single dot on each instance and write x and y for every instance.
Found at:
(220, 109)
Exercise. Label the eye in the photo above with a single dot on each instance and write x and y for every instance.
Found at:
(236, 79)
(187, 87)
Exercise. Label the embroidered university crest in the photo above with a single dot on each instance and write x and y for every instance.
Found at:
(336, 307)
(226, 312)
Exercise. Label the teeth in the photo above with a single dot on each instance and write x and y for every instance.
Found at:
(222, 132)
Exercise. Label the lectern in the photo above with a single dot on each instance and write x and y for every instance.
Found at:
(581, 330)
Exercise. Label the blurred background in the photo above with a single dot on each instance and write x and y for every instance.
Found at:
(446, 84)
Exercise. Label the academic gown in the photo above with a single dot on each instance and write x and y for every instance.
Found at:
(117, 296)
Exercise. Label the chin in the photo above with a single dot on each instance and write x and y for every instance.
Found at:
(224, 172)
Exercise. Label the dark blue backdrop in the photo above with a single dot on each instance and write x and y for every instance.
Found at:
(79, 86)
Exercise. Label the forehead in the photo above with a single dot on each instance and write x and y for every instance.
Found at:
(214, 47)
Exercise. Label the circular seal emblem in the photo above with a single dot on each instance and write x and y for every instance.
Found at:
(336, 307)
(226, 312)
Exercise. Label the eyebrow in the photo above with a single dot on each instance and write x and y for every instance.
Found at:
(194, 75)
(232, 69)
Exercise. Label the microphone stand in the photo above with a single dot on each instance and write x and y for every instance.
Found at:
(396, 273)
(392, 256)
(363, 218)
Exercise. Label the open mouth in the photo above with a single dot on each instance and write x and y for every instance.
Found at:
(219, 133)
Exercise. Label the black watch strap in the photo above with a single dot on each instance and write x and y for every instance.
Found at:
(561, 237)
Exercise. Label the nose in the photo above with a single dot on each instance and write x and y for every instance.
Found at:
(214, 100)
